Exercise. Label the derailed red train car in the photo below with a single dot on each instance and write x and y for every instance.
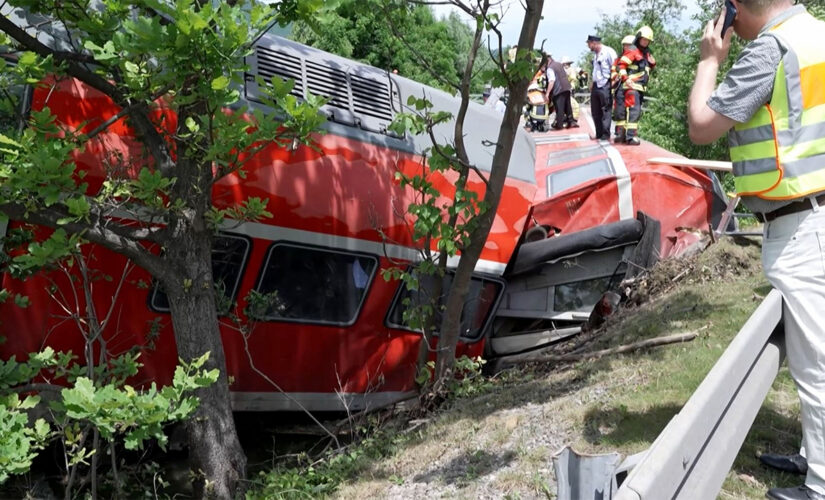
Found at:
(336, 338)
(602, 213)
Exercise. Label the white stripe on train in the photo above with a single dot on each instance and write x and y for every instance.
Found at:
(392, 251)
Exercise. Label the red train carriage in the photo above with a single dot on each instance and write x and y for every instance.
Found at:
(335, 335)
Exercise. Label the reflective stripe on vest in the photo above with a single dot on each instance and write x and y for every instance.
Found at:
(780, 152)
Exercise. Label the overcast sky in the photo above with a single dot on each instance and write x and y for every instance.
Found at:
(565, 23)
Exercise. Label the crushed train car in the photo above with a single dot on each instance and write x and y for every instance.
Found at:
(602, 212)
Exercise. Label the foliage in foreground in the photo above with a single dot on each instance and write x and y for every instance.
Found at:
(91, 417)
(171, 72)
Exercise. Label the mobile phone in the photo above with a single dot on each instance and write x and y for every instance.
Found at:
(730, 15)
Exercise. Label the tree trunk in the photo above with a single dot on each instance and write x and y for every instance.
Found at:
(451, 324)
(215, 453)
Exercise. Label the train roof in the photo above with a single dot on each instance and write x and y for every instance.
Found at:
(363, 101)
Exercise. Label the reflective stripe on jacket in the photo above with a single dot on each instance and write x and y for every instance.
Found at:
(634, 68)
(779, 153)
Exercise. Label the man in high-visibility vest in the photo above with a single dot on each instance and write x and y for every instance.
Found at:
(771, 104)
(634, 69)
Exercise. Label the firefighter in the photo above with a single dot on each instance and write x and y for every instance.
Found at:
(572, 75)
(619, 108)
(634, 72)
(583, 78)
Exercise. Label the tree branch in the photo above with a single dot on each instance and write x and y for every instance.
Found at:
(421, 59)
(122, 241)
(568, 358)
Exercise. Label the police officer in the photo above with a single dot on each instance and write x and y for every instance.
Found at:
(601, 101)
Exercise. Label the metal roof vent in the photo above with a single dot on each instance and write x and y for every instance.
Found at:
(356, 95)
(371, 97)
(286, 66)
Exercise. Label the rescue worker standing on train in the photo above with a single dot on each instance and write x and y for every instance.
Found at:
(634, 72)
(619, 108)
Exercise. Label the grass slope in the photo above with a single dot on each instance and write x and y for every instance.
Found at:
(499, 443)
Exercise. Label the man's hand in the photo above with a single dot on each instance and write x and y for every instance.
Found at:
(715, 48)
(704, 124)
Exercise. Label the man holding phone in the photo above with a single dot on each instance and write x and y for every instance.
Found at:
(772, 106)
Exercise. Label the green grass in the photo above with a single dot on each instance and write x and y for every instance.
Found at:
(499, 443)
(661, 381)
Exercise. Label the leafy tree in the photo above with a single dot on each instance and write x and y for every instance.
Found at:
(409, 39)
(462, 225)
(172, 68)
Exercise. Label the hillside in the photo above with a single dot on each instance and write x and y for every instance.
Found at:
(499, 442)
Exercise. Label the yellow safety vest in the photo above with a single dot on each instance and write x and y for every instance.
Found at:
(780, 153)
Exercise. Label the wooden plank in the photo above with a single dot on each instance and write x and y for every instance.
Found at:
(722, 166)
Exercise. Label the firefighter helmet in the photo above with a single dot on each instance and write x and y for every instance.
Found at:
(628, 40)
(645, 32)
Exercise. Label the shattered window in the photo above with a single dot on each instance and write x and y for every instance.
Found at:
(229, 253)
(579, 296)
(565, 179)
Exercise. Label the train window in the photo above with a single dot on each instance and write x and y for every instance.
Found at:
(580, 295)
(565, 179)
(312, 285)
(574, 154)
(482, 298)
(229, 254)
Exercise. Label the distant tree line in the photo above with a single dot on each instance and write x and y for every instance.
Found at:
(407, 38)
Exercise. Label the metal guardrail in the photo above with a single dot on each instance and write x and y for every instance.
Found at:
(694, 453)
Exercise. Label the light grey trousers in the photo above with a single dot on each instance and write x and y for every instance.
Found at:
(793, 256)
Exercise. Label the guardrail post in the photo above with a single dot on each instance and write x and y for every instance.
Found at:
(583, 476)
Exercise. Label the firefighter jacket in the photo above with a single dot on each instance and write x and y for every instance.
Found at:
(779, 153)
(634, 68)
(615, 81)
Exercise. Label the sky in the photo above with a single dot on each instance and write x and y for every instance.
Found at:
(565, 24)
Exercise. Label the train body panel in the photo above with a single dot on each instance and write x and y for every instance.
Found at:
(334, 339)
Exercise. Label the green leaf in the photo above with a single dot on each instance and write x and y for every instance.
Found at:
(29, 403)
(220, 83)
(6, 140)
(131, 67)
(192, 125)
(22, 301)
(27, 58)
